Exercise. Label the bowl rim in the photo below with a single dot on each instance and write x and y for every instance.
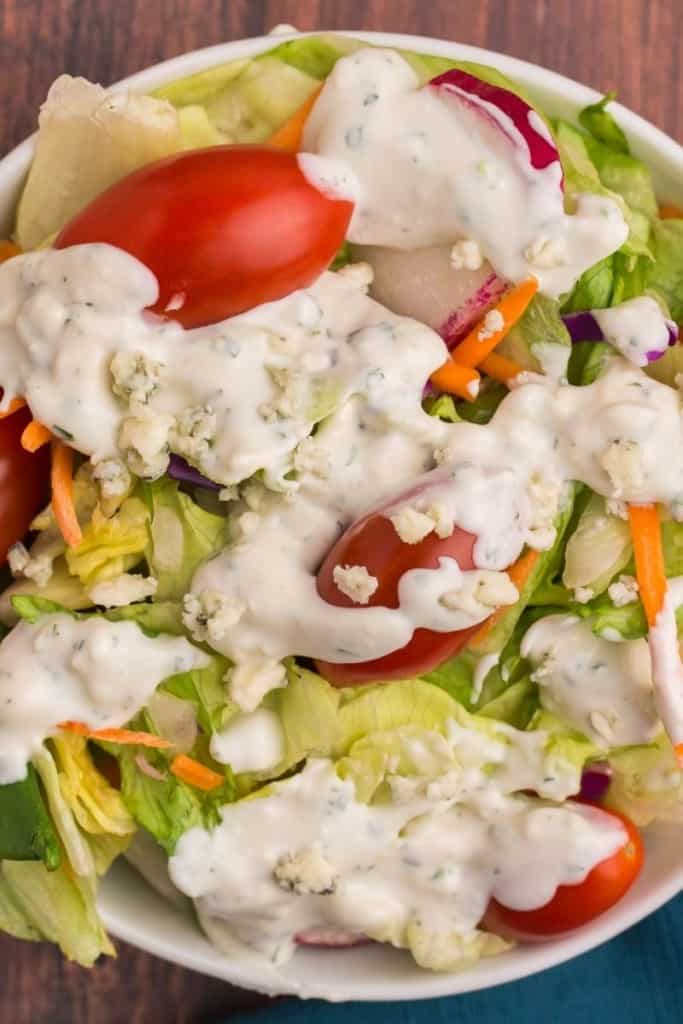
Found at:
(652, 145)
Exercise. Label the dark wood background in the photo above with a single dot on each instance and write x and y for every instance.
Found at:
(633, 46)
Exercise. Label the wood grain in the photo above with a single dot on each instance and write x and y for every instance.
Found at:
(632, 46)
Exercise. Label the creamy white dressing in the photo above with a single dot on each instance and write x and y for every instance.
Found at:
(91, 670)
(251, 742)
(333, 348)
(504, 482)
(233, 398)
(308, 854)
(667, 668)
(636, 327)
(431, 170)
(602, 688)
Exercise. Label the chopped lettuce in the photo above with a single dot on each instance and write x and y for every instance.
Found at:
(153, 619)
(647, 783)
(496, 638)
(181, 536)
(87, 140)
(167, 807)
(317, 55)
(516, 704)
(26, 830)
(599, 123)
(205, 689)
(666, 273)
(539, 341)
(483, 407)
(96, 805)
(430, 746)
(381, 708)
(243, 101)
(58, 906)
(110, 546)
(597, 160)
(201, 88)
(441, 406)
(62, 589)
(308, 708)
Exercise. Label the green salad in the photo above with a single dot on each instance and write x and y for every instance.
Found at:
(343, 530)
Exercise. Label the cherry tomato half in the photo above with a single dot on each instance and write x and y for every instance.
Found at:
(374, 543)
(574, 905)
(223, 229)
(24, 481)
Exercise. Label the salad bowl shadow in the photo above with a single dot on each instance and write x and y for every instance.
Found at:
(132, 910)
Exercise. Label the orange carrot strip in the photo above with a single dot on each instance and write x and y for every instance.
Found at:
(500, 368)
(62, 493)
(8, 250)
(678, 751)
(288, 136)
(15, 405)
(667, 211)
(649, 557)
(457, 380)
(519, 573)
(195, 774)
(123, 736)
(34, 436)
(473, 348)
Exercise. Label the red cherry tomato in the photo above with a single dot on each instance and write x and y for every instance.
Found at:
(24, 481)
(374, 543)
(574, 905)
(223, 229)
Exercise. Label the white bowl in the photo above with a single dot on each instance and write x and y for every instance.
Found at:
(132, 911)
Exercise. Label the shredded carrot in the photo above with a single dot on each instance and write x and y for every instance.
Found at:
(35, 435)
(667, 211)
(15, 405)
(195, 774)
(519, 573)
(123, 736)
(500, 368)
(474, 348)
(288, 137)
(649, 557)
(62, 493)
(678, 751)
(8, 250)
(457, 380)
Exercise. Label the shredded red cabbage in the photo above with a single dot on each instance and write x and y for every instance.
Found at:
(178, 469)
(595, 781)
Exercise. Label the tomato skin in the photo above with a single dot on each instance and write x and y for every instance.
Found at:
(373, 542)
(24, 481)
(574, 905)
(228, 228)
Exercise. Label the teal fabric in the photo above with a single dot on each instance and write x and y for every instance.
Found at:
(636, 978)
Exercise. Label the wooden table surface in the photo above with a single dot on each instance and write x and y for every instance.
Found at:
(632, 46)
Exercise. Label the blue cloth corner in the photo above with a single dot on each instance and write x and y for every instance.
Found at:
(636, 978)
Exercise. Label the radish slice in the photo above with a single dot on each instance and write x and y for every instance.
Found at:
(515, 118)
(330, 938)
(423, 284)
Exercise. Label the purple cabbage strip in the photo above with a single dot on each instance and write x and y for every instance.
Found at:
(595, 781)
(583, 326)
(178, 469)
